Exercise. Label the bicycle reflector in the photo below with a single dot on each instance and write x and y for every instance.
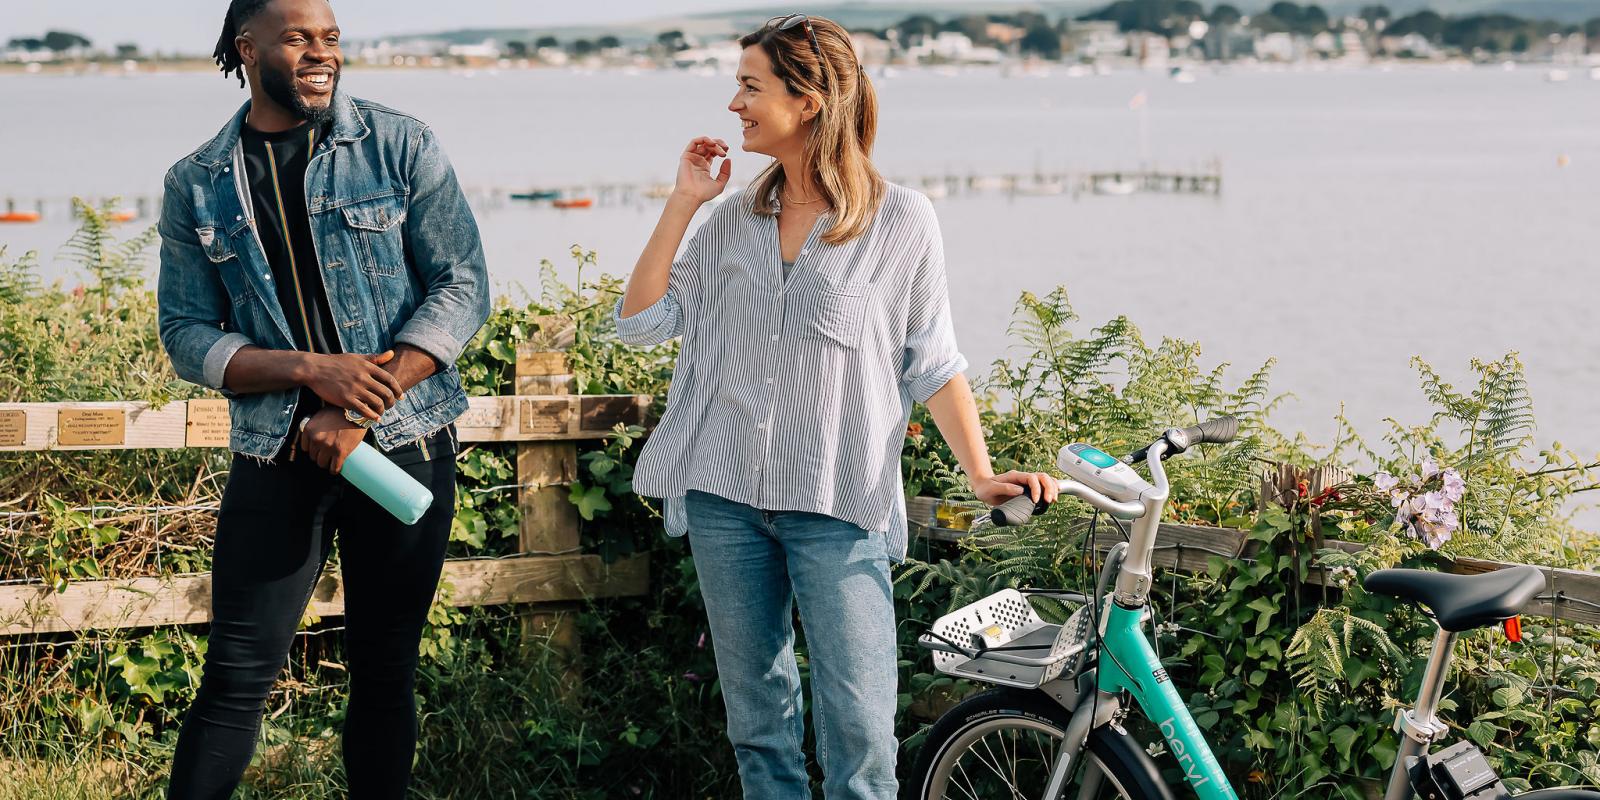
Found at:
(1514, 629)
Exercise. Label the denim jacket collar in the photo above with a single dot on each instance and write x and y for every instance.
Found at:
(347, 127)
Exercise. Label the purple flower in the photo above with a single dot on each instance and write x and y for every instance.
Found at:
(692, 677)
(700, 644)
(1385, 482)
(1430, 468)
(1454, 486)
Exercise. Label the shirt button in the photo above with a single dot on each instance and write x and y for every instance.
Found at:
(237, 218)
(267, 276)
(227, 169)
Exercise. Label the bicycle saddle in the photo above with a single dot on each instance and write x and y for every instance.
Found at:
(1462, 602)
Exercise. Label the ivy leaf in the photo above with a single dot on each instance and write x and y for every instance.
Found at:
(589, 500)
(1343, 737)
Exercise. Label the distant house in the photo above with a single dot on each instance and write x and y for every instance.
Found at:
(723, 56)
(1230, 41)
(1152, 50)
(1089, 40)
(870, 48)
(486, 50)
(1277, 47)
(1411, 45)
(1004, 34)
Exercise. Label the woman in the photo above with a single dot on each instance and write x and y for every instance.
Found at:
(813, 312)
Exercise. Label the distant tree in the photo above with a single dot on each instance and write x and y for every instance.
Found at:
(972, 26)
(1313, 20)
(62, 41)
(127, 50)
(1591, 30)
(1160, 16)
(1374, 14)
(915, 27)
(1041, 40)
(25, 43)
(1224, 14)
(582, 47)
(517, 49)
(1190, 9)
(546, 41)
(1427, 24)
(609, 43)
(673, 41)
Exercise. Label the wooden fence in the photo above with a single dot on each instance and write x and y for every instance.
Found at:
(549, 574)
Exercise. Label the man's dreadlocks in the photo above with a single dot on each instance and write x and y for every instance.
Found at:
(227, 53)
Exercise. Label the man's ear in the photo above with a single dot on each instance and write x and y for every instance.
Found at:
(247, 50)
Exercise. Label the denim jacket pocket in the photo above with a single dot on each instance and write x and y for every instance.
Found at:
(375, 225)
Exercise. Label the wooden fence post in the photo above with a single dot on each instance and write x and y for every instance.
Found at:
(545, 471)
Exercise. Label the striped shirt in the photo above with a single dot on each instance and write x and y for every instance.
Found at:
(793, 394)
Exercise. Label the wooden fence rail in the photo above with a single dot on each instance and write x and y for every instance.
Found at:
(548, 576)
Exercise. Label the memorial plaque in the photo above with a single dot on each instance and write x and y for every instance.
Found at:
(546, 416)
(208, 424)
(482, 417)
(91, 427)
(13, 428)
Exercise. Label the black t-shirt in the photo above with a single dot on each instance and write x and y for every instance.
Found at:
(275, 171)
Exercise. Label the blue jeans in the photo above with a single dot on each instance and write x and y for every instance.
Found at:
(753, 565)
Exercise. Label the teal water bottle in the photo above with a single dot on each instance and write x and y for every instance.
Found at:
(388, 485)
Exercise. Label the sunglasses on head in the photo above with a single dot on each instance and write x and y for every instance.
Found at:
(785, 23)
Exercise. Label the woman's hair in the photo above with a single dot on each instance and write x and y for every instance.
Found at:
(838, 146)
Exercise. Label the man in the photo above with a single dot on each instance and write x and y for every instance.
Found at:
(321, 269)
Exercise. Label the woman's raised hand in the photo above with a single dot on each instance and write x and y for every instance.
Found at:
(695, 180)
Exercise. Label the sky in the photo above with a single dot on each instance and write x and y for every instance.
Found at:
(192, 26)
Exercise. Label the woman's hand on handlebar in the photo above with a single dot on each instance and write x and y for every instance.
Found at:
(1000, 488)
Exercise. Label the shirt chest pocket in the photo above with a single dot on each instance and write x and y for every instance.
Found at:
(376, 233)
(831, 312)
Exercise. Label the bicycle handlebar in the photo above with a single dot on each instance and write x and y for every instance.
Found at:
(1018, 510)
(1213, 431)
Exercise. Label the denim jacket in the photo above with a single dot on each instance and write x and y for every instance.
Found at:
(399, 253)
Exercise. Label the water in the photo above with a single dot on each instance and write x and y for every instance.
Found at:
(1367, 216)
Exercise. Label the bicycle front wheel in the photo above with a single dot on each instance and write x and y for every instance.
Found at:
(1001, 744)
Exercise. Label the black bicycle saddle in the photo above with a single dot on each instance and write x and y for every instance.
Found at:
(1462, 602)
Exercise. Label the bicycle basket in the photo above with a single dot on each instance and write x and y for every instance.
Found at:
(1017, 647)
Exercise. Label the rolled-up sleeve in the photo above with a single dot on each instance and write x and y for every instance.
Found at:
(442, 239)
(932, 357)
(669, 316)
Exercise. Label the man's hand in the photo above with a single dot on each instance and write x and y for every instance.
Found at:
(354, 381)
(1000, 488)
(328, 438)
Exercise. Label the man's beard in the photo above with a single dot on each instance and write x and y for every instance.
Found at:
(279, 85)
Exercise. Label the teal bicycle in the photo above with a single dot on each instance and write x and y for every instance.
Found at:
(1054, 726)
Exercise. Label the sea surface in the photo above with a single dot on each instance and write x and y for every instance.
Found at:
(1366, 216)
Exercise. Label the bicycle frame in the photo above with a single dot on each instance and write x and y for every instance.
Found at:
(1127, 665)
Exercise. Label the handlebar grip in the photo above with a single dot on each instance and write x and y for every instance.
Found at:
(1214, 431)
(1016, 511)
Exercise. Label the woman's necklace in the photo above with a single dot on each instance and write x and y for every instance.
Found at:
(788, 199)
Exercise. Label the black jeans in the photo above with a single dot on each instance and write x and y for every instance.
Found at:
(275, 527)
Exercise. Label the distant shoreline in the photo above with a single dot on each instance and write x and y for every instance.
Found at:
(143, 69)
